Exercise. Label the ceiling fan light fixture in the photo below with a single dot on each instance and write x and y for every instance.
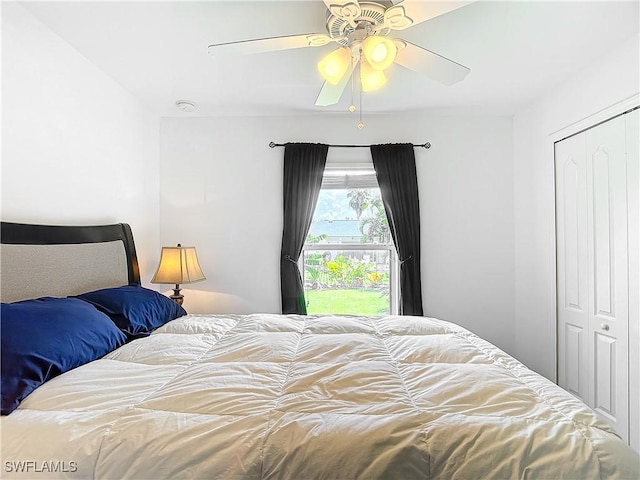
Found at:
(370, 78)
(379, 51)
(335, 65)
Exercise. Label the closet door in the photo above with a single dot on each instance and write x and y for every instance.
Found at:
(608, 272)
(572, 298)
(593, 270)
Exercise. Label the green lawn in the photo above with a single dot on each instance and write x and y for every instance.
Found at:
(360, 302)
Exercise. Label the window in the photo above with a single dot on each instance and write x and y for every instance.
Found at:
(348, 262)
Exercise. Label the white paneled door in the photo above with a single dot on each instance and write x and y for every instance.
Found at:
(593, 266)
(572, 298)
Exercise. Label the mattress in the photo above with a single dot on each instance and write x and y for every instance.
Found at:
(308, 397)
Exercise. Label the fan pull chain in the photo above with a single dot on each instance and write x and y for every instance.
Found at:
(352, 107)
(360, 122)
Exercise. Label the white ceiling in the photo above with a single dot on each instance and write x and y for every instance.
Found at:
(516, 51)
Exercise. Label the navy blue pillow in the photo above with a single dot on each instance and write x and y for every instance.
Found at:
(45, 337)
(136, 310)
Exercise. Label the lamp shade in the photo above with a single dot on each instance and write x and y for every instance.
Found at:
(380, 52)
(370, 78)
(178, 265)
(335, 65)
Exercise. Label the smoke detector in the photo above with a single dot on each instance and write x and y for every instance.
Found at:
(185, 106)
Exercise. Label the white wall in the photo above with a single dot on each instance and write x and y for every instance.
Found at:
(76, 147)
(606, 82)
(221, 190)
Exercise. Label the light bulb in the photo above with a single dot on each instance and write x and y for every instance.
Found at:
(352, 108)
(380, 52)
(335, 65)
(370, 78)
(360, 124)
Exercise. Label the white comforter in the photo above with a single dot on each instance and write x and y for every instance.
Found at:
(293, 397)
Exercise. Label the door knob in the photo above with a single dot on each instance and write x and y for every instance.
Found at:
(605, 327)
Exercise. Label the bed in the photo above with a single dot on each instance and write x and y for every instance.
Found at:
(263, 396)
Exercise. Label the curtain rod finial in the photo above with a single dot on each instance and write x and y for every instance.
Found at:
(272, 145)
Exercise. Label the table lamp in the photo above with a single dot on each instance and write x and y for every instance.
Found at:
(178, 265)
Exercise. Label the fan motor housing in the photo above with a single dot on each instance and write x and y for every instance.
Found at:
(372, 13)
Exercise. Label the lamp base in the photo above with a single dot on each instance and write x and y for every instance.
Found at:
(177, 296)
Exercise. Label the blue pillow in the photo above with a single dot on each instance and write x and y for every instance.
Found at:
(136, 310)
(45, 337)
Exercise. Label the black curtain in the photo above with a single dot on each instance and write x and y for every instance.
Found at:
(395, 166)
(303, 169)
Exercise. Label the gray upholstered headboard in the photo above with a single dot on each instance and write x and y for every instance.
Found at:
(57, 261)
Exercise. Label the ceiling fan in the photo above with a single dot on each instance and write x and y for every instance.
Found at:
(362, 30)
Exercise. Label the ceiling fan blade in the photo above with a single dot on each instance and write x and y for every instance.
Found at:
(430, 64)
(272, 44)
(412, 12)
(347, 10)
(330, 94)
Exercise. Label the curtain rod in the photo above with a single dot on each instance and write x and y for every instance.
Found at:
(423, 145)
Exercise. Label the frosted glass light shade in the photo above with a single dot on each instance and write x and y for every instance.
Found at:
(380, 52)
(334, 66)
(370, 78)
(178, 265)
